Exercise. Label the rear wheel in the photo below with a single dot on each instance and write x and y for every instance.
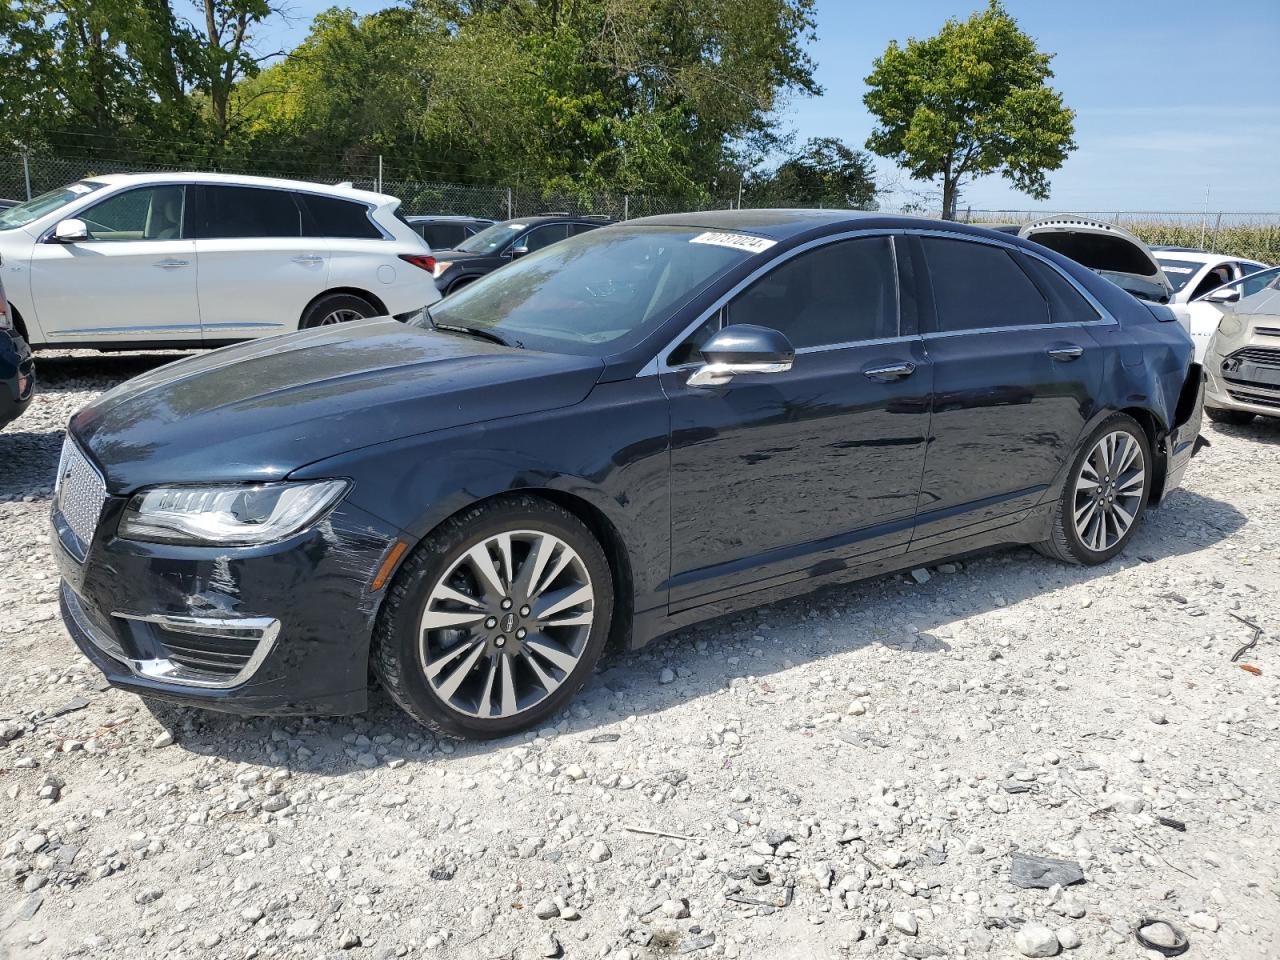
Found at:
(1104, 496)
(496, 620)
(1235, 418)
(337, 308)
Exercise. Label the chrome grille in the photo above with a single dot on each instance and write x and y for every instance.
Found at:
(79, 492)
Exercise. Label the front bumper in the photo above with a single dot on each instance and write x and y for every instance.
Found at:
(1244, 393)
(280, 629)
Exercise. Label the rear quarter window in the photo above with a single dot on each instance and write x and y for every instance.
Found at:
(335, 217)
(978, 286)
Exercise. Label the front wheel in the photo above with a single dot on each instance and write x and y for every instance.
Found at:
(1104, 496)
(496, 620)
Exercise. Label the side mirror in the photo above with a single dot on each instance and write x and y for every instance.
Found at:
(1222, 296)
(519, 250)
(742, 348)
(70, 231)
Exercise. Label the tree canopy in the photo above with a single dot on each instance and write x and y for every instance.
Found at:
(824, 172)
(665, 96)
(970, 101)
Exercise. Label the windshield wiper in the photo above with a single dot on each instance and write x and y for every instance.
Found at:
(477, 332)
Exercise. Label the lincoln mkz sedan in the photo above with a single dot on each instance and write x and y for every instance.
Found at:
(640, 427)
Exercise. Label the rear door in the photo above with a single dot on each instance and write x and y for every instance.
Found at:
(257, 270)
(134, 278)
(1016, 373)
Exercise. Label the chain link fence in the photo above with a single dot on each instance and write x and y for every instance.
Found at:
(25, 176)
(1241, 234)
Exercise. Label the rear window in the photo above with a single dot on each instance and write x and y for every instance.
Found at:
(441, 236)
(977, 286)
(335, 217)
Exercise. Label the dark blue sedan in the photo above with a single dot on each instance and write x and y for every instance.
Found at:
(640, 427)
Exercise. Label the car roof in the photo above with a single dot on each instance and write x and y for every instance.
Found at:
(238, 180)
(1190, 255)
(785, 224)
(446, 218)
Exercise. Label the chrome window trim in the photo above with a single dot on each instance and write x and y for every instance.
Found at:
(658, 364)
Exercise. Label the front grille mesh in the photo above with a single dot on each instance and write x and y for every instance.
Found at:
(1263, 356)
(80, 492)
(1245, 396)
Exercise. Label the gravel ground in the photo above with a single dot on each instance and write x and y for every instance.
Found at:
(879, 750)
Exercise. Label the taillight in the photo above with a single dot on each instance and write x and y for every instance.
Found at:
(422, 260)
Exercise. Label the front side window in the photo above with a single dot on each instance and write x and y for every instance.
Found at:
(1252, 283)
(593, 294)
(544, 236)
(335, 217)
(46, 203)
(1212, 280)
(977, 286)
(147, 213)
(247, 212)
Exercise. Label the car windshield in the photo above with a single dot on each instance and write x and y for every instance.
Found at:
(596, 293)
(1179, 272)
(1250, 285)
(37, 207)
(492, 239)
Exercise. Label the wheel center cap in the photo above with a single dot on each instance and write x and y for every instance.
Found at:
(508, 623)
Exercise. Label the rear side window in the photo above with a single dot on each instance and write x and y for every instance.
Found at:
(839, 293)
(442, 236)
(334, 217)
(247, 212)
(977, 286)
(1066, 305)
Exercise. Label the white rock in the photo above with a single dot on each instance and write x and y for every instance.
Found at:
(905, 922)
(1036, 940)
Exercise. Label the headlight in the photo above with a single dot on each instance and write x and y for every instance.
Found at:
(234, 515)
(441, 267)
(1230, 325)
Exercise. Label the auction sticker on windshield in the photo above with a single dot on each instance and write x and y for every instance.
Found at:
(737, 241)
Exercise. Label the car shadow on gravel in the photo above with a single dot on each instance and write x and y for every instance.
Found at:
(1261, 430)
(709, 657)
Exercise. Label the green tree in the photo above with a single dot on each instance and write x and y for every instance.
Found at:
(824, 172)
(970, 101)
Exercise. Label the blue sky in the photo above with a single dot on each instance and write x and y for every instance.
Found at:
(1171, 97)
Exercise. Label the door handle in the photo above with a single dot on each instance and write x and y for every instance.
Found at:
(890, 371)
(1066, 352)
(171, 264)
(309, 258)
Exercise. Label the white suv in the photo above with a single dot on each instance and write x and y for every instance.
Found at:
(193, 259)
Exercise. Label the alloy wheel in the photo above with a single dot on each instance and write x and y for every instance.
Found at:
(506, 624)
(1109, 489)
(340, 316)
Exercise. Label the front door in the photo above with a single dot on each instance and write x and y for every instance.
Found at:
(258, 273)
(1016, 374)
(776, 477)
(132, 279)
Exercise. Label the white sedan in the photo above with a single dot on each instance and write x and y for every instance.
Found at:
(196, 259)
(1201, 283)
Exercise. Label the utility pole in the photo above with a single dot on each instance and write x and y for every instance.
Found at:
(26, 171)
(379, 173)
(1204, 220)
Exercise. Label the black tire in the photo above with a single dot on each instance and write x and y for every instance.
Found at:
(1234, 418)
(460, 283)
(1065, 542)
(336, 303)
(398, 633)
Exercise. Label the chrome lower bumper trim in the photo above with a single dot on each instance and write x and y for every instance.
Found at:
(263, 630)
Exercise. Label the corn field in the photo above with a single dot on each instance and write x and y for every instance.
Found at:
(1252, 236)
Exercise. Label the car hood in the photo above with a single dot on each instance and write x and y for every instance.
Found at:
(260, 410)
(1107, 250)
